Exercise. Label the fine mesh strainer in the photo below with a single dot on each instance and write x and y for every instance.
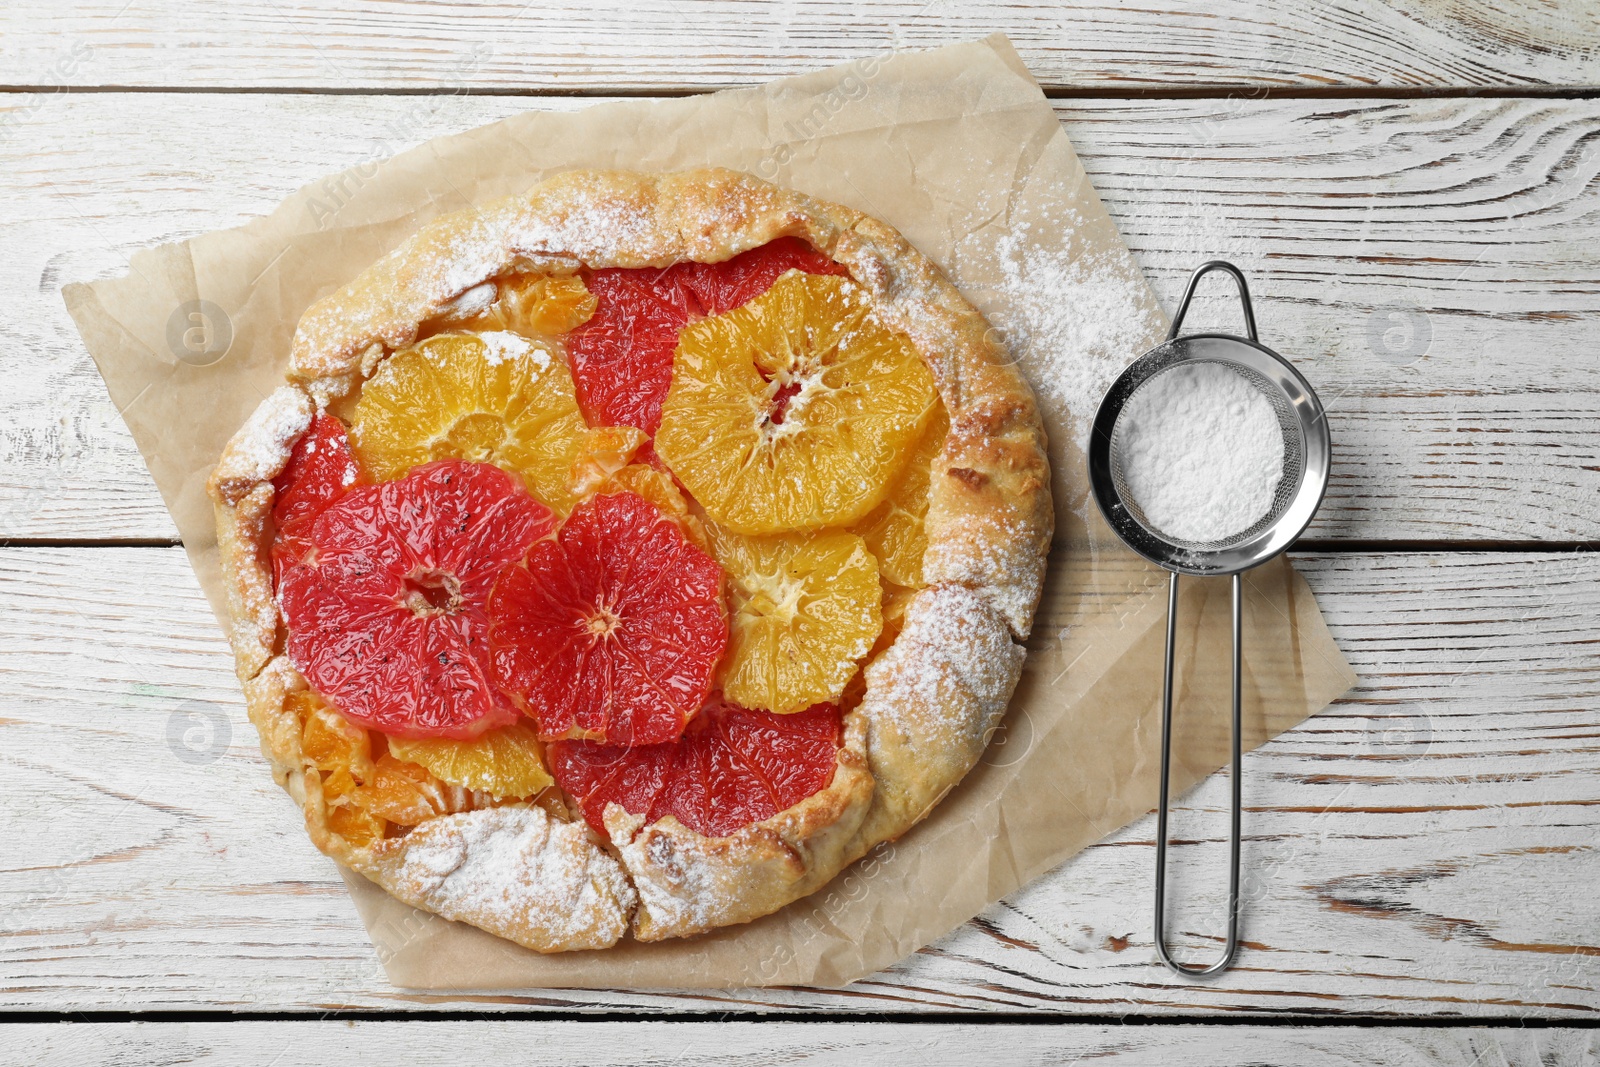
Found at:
(1305, 478)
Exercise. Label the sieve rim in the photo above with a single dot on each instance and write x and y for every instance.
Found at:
(1272, 538)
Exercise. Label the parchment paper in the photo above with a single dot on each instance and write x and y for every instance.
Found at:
(959, 150)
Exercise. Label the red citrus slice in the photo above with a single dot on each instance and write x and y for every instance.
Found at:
(320, 470)
(731, 768)
(724, 286)
(612, 630)
(622, 357)
(387, 613)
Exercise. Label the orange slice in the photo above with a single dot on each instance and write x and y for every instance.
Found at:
(803, 609)
(507, 762)
(794, 411)
(894, 530)
(489, 398)
(342, 752)
(407, 794)
(540, 305)
(606, 451)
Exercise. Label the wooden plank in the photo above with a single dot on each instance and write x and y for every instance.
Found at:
(604, 1044)
(659, 45)
(1430, 264)
(1426, 847)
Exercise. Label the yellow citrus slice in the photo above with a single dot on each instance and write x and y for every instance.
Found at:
(606, 450)
(489, 398)
(894, 530)
(508, 762)
(540, 305)
(794, 411)
(896, 598)
(803, 609)
(606, 465)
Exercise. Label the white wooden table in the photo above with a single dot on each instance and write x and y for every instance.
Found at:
(1411, 186)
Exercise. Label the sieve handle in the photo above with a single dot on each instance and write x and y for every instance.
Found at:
(1194, 279)
(1231, 948)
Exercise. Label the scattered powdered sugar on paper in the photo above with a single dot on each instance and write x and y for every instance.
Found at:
(1201, 452)
(1074, 321)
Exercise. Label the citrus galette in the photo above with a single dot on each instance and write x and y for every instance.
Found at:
(632, 555)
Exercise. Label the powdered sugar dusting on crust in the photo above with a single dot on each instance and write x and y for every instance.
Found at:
(951, 669)
(933, 699)
(677, 890)
(981, 549)
(587, 228)
(474, 301)
(259, 451)
(1073, 320)
(519, 873)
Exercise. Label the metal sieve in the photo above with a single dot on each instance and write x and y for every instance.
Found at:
(1305, 479)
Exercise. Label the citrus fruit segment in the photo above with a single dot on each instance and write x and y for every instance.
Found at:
(803, 609)
(794, 411)
(606, 450)
(894, 530)
(320, 470)
(724, 286)
(731, 768)
(508, 762)
(404, 793)
(539, 305)
(612, 629)
(386, 613)
(622, 357)
(342, 753)
(490, 398)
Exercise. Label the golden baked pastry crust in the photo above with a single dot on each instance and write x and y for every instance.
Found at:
(931, 700)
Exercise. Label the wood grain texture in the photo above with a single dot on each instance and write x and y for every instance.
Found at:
(1429, 263)
(1424, 847)
(657, 45)
(722, 1044)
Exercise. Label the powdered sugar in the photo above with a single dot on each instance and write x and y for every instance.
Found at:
(519, 873)
(1074, 320)
(1201, 452)
(500, 346)
(949, 674)
(261, 447)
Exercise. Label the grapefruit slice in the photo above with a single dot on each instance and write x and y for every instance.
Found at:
(731, 768)
(721, 287)
(622, 356)
(795, 411)
(386, 613)
(508, 762)
(894, 530)
(320, 470)
(489, 398)
(804, 610)
(612, 629)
